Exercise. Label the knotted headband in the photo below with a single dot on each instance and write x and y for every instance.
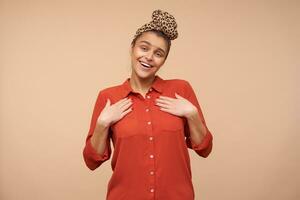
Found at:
(161, 21)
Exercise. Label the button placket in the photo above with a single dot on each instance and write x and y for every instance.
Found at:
(151, 154)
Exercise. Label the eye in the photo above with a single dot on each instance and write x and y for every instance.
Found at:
(159, 54)
(144, 48)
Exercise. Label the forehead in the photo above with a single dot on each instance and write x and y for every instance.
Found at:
(155, 40)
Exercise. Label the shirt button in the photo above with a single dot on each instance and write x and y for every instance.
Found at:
(152, 172)
(151, 138)
(147, 109)
(152, 190)
(149, 123)
(148, 96)
(151, 156)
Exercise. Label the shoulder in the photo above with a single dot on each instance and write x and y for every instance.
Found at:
(110, 91)
(180, 86)
(178, 83)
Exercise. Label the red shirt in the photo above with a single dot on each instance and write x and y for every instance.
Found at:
(150, 158)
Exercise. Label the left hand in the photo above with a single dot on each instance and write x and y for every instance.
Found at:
(177, 106)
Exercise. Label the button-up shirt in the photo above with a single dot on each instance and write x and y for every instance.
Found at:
(150, 160)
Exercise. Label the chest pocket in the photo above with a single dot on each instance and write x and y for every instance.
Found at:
(169, 122)
(127, 126)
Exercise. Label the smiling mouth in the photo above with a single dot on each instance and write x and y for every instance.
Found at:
(146, 65)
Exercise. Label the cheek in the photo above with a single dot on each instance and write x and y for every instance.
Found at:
(134, 57)
(138, 52)
(160, 61)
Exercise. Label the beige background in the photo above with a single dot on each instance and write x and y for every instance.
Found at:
(241, 57)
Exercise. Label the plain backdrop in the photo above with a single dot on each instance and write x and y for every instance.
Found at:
(241, 58)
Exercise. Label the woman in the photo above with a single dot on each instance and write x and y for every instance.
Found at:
(151, 121)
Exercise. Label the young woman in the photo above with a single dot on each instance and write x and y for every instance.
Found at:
(151, 121)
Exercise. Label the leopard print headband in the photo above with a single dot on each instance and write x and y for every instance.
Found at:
(161, 21)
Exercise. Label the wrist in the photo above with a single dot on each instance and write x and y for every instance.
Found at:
(102, 124)
(192, 114)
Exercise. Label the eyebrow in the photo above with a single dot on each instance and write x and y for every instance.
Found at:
(152, 45)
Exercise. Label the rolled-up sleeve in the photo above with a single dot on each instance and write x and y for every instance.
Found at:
(92, 159)
(205, 147)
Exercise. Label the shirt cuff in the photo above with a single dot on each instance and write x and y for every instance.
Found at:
(93, 153)
(205, 142)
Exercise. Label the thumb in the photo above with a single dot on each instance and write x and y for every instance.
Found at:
(178, 96)
(107, 103)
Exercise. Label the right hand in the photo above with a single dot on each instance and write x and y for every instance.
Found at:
(113, 113)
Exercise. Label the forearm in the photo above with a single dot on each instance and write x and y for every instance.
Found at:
(196, 127)
(99, 137)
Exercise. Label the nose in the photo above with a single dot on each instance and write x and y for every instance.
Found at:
(149, 56)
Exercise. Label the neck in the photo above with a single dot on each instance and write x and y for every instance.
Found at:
(139, 84)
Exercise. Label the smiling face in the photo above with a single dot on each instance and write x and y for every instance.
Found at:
(148, 54)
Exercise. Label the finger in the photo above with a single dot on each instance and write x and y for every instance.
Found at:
(124, 107)
(107, 102)
(178, 96)
(164, 105)
(165, 109)
(166, 98)
(122, 100)
(123, 103)
(126, 112)
(163, 101)
(160, 103)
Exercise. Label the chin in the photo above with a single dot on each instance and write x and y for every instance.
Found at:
(143, 75)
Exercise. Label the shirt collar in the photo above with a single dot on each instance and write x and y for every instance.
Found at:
(156, 85)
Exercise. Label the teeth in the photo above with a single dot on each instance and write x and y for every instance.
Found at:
(145, 64)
